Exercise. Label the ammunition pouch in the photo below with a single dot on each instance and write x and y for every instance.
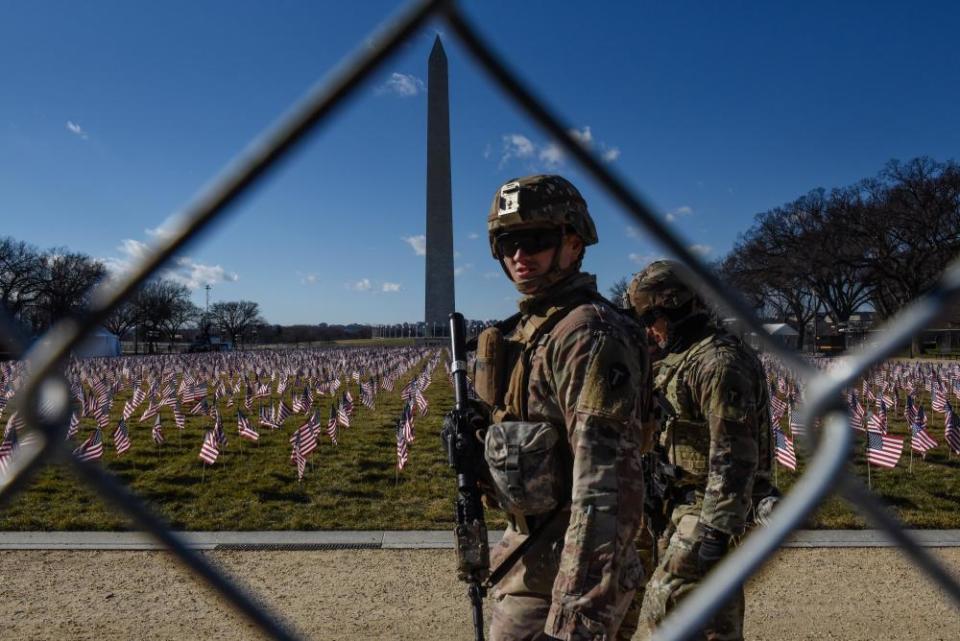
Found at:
(524, 463)
(489, 373)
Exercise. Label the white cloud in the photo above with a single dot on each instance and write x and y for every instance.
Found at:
(402, 84)
(551, 155)
(391, 287)
(584, 137)
(684, 210)
(700, 250)
(632, 232)
(418, 243)
(491, 275)
(183, 270)
(459, 271)
(308, 279)
(195, 275)
(362, 285)
(516, 146)
(76, 129)
(644, 258)
(473, 235)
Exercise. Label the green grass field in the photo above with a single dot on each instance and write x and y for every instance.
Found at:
(355, 485)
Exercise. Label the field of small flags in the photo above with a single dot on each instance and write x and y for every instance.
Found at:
(906, 444)
(299, 439)
(347, 438)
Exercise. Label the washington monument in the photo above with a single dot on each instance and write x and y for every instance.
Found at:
(439, 301)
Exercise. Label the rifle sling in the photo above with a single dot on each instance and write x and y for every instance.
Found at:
(515, 555)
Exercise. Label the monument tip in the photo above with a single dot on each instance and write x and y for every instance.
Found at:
(437, 48)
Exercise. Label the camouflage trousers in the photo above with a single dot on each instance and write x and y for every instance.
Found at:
(675, 576)
(523, 617)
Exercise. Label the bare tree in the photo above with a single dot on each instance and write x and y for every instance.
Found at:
(236, 317)
(156, 304)
(122, 319)
(66, 281)
(21, 269)
(618, 292)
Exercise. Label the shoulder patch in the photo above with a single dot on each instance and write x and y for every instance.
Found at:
(609, 386)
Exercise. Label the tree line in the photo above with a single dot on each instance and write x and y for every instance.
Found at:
(38, 287)
(878, 244)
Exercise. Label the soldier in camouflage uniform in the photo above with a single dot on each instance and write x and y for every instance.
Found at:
(567, 384)
(715, 431)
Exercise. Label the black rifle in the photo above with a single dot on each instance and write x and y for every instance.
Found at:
(465, 454)
(660, 477)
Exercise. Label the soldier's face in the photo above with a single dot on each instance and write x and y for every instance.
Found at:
(658, 332)
(525, 266)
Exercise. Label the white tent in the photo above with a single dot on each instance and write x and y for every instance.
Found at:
(99, 342)
(787, 335)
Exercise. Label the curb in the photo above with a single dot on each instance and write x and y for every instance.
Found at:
(393, 540)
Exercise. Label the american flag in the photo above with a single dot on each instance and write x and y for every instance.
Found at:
(283, 411)
(796, 427)
(877, 423)
(210, 450)
(786, 455)
(298, 456)
(920, 439)
(407, 420)
(910, 410)
(938, 401)
(121, 438)
(332, 424)
(150, 412)
(403, 450)
(777, 408)
(218, 431)
(422, 403)
(178, 417)
(347, 403)
(343, 417)
(92, 448)
(74, 426)
(857, 414)
(243, 426)
(157, 431)
(883, 450)
(306, 436)
(951, 431)
(7, 448)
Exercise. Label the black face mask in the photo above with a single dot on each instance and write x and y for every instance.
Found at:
(531, 241)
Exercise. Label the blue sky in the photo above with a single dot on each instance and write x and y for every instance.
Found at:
(115, 114)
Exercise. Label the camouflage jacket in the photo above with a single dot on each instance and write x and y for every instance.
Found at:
(719, 431)
(589, 375)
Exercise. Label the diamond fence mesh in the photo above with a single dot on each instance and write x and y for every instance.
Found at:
(43, 399)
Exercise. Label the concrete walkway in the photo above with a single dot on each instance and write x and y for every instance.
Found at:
(389, 540)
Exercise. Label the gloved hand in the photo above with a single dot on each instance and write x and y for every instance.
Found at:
(713, 547)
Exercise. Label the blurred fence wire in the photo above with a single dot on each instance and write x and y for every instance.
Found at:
(43, 399)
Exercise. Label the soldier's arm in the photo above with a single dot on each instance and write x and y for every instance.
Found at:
(729, 402)
(596, 378)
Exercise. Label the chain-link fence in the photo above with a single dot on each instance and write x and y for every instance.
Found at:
(44, 398)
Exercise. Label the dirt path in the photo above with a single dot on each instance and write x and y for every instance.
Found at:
(850, 594)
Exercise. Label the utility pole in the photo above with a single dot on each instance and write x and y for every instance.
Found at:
(207, 287)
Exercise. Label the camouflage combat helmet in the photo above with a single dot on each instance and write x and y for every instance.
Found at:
(539, 202)
(659, 286)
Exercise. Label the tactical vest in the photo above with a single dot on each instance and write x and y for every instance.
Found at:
(502, 374)
(686, 435)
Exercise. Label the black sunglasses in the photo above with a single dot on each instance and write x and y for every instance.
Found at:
(531, 241)
(650, 316)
